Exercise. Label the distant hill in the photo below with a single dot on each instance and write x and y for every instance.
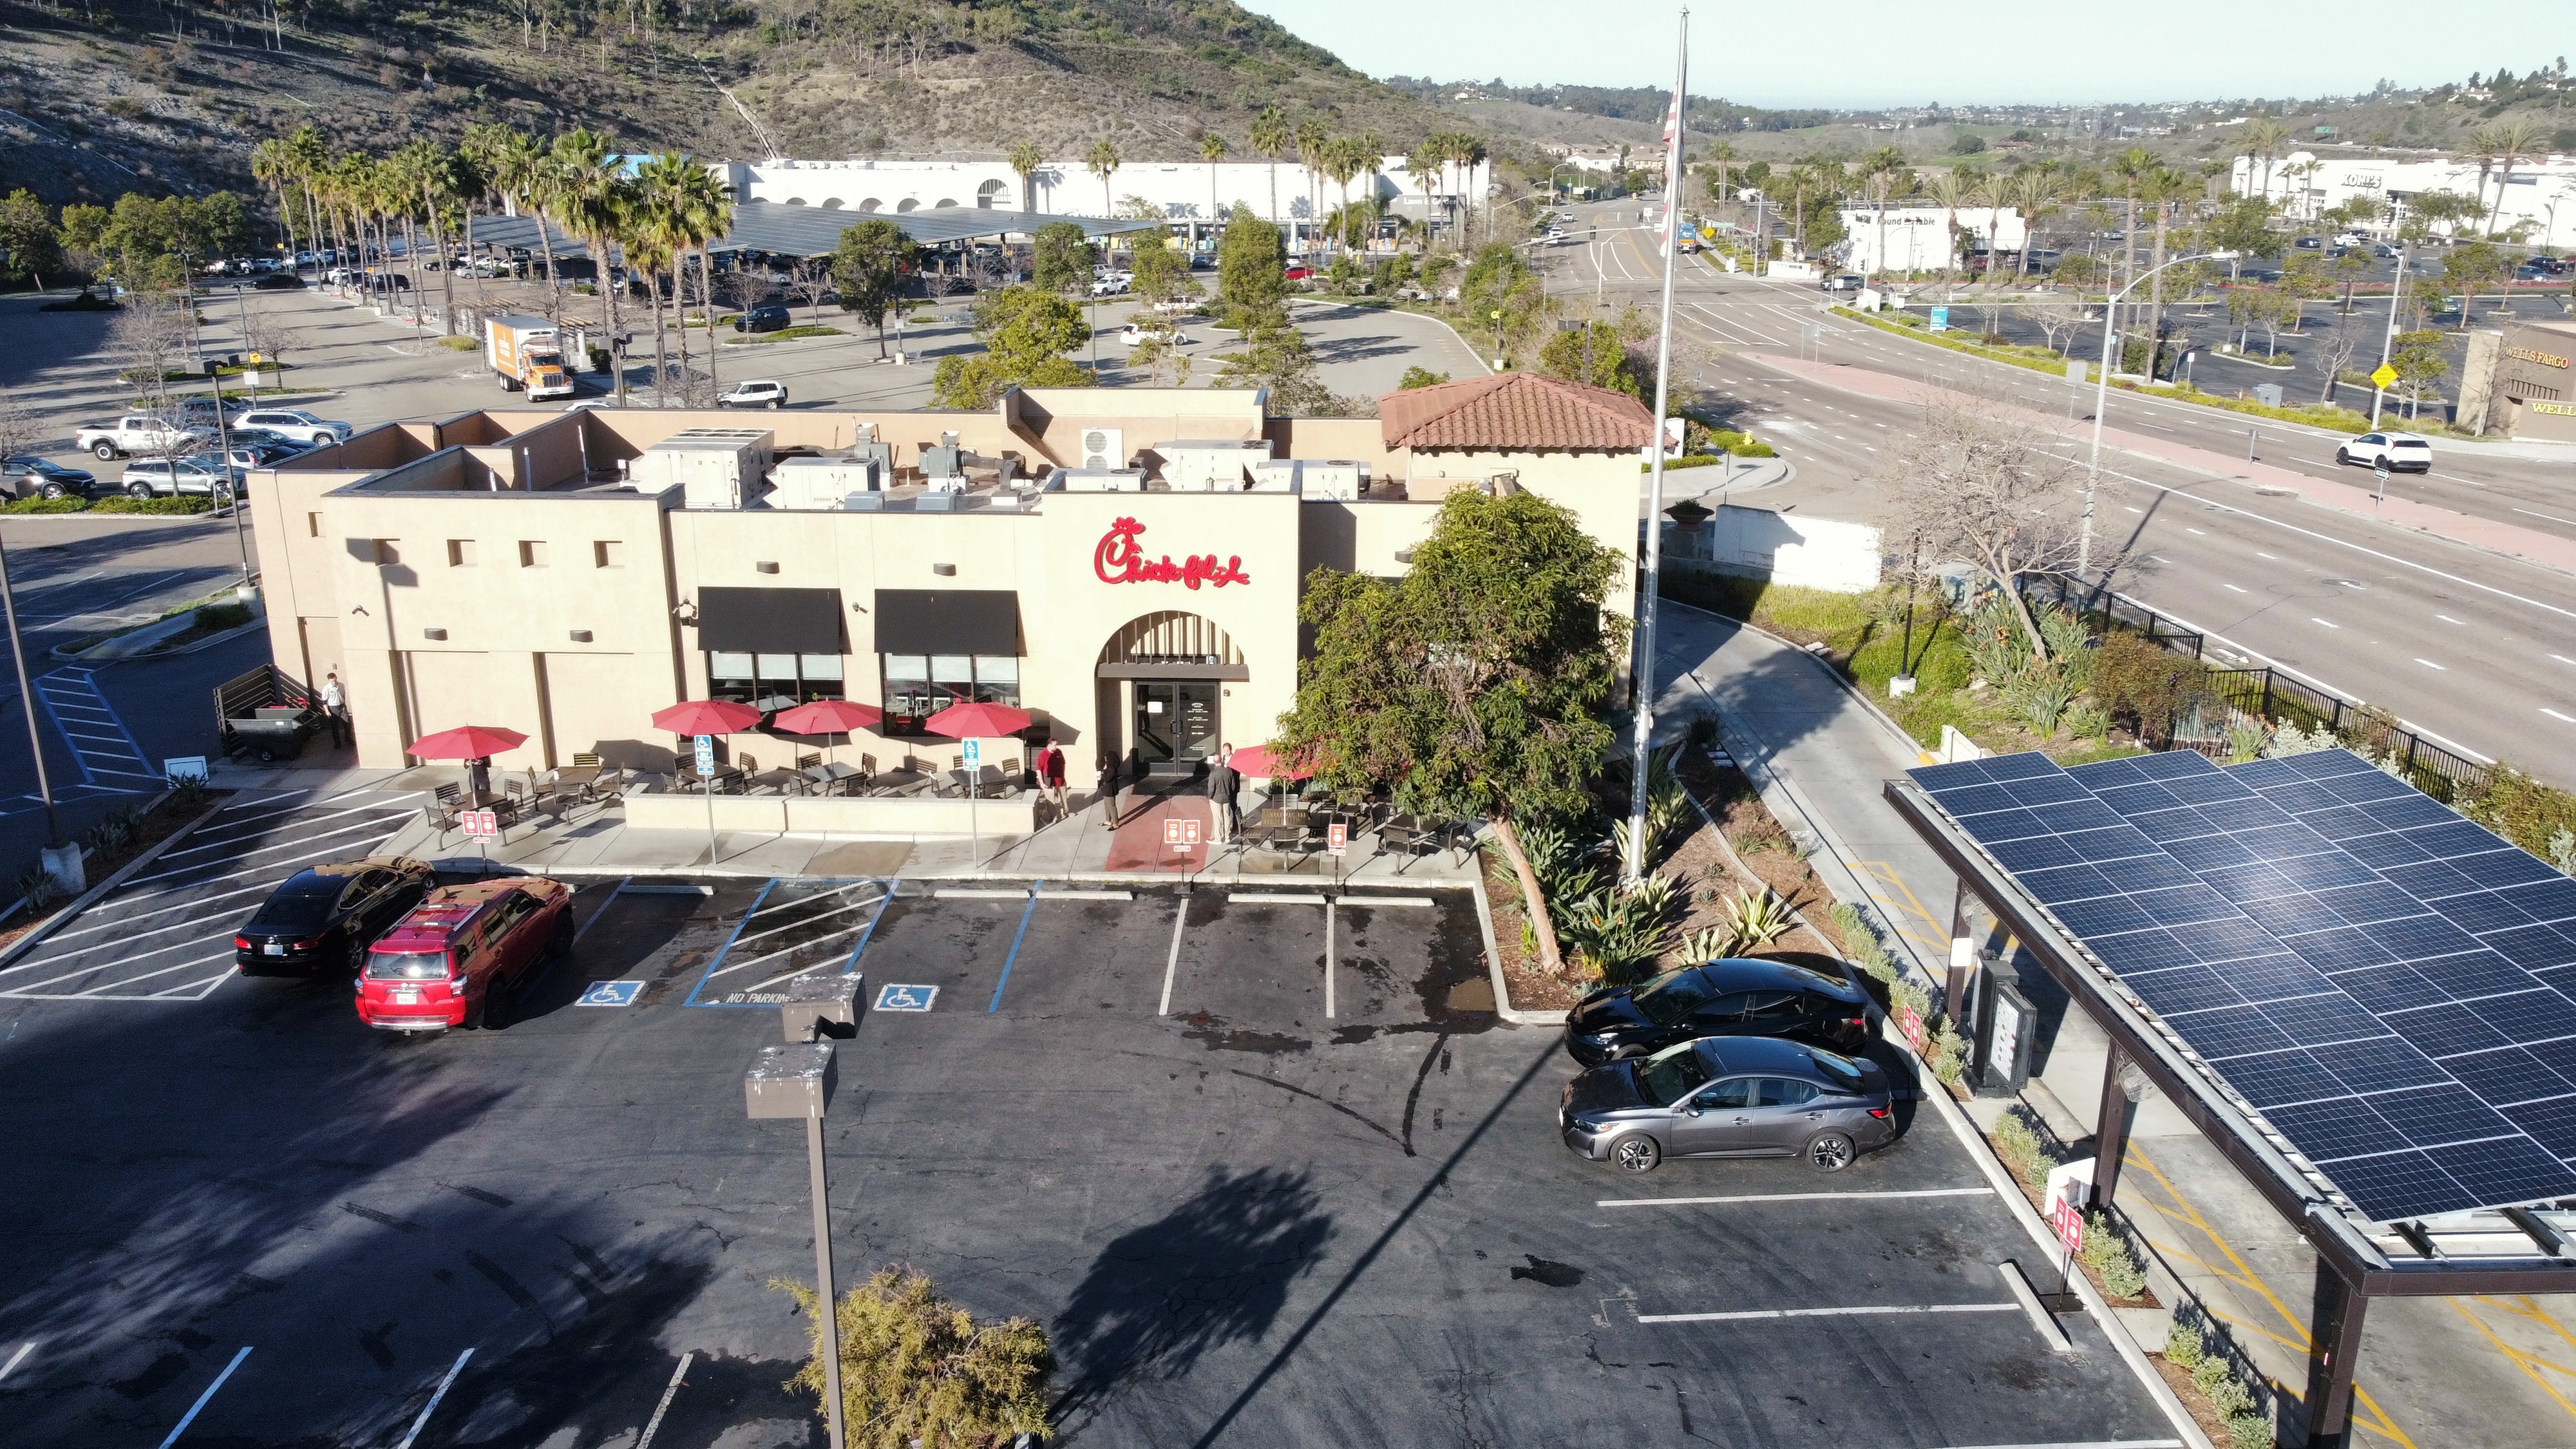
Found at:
(124, 95)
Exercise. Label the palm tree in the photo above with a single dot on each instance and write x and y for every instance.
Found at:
(1271, 137)
(704, 213)
(427, 174)
(2263, 138)
(1422, 163)
(1950, 188)
(273, 166)
(2163, 187)
(1212, 150)
(648, 239)
(2035, 191)
(1468, 152)
(1878, 170)
(1311, 141)
(306, 156)
(1991, 193)
(1025, 159)
(523, 173)
(2513, 139)
(591, 197)
(1102, 161)
(2132, 167)
(1342, 162)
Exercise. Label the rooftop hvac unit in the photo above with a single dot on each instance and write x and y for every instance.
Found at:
(822, 483)
(1104, 448)
(1331, 480)
(1274, 475)
(1210, 467)
(713, 467)
(1099, 480)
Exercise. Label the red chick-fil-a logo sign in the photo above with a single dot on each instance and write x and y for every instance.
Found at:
(1119, 559)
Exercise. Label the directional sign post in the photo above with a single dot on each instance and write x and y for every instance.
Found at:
(974, 757)
(2379, 487)
(2385, 378)
(707, 787)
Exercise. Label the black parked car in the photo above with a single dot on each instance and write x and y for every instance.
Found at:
(325, 917)
(279, 282)
(1729, 1097)
(1736, 997)
(36, 478)
(763, 318)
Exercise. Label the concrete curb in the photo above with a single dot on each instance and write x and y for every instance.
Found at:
(87, 898)
(1494, 966)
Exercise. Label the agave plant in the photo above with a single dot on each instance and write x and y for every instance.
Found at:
(1755, 918)
(1655, 896)
(2038, 695)
(1702, 946)
(1616, 931)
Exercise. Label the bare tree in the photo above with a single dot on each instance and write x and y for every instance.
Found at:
(2340, 344)
(812, 282)
(152, 337)
(1981, 485)
(19, 433)
(2056, 318)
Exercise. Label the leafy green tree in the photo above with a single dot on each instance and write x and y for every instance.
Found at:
(1499, 280)
(2418, 362)
(27, 230)
(1273, 355)
(1474, 684)
(1419, 377)
(2473, 266)
(1251, 263)
(1162, 273)
(868, 267)
(917, 1369)
(1595, 355)
(2244, 228)
(1061, 259)
(1025, 331)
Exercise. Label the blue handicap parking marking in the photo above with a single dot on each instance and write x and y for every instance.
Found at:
(906, 998)
(611, 993)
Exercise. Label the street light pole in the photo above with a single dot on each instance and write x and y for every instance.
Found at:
(2102, 402)
(27, 700)
(1651, 582)
(2388, 339)
(796, 1080)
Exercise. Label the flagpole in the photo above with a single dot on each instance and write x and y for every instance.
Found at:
(1642, 667)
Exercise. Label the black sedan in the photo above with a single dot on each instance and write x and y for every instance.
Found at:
(36, 478)
(1735, 997)
(1729, 1097)
(279, 282)
(325, 917)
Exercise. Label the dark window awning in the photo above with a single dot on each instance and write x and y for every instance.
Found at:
(770, 621)
(948, 621)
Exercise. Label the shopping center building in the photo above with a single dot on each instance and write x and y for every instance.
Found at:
(1123, 563)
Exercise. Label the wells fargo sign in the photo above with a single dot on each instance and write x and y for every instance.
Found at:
(2555, 410)
(1119, 559)
(2545, 359)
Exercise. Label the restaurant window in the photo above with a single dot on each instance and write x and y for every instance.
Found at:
(460, 553)
(772, 682)
(608, 553)
(532, 553)
(918, 686)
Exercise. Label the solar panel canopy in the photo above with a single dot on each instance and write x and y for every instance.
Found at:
(2390, 985)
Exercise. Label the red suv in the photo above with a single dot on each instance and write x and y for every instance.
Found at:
(461, 952)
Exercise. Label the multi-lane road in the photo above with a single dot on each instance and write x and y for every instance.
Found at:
(2473, 647)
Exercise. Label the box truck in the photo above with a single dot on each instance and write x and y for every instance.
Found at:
(528, 355)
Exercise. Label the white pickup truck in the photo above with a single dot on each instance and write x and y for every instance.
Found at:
(136, 433)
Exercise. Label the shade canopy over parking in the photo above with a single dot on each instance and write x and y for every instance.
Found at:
(779, 229)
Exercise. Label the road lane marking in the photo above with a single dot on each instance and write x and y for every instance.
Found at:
(821, 896)
(2258, 553)
(2563, 659)
(2552, 517)
(653, 1425)
(2233, 588)
(2447, 619)
(2313, 619)
(1746, 1315)
(2195, 530)
(1620, 1202)
(2553, 714)
(200, 1404)
(1172, 962)
(432, 1406)
(17, 1358)
(2429, 664)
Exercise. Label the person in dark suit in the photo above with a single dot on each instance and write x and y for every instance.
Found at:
(1108, 792)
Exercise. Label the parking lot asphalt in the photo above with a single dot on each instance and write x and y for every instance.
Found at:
(1242, 1219)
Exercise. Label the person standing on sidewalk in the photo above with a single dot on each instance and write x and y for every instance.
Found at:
(335, 708)
(1223, 784)
(1051, 771)
(1108, 792)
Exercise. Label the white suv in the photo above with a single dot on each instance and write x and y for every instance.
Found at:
(289, 422)
(758, 393)
(2403, 452)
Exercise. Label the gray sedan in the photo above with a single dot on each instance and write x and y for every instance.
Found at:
(1729, 1097)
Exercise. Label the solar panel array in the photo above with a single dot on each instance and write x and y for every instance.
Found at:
(2391, 985)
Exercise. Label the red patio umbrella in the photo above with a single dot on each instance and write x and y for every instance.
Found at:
(1256, 761)
(466, 742)
(706, 717)
(826, 717)
(977, 721)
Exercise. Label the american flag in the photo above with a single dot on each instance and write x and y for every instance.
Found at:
(1672, 168)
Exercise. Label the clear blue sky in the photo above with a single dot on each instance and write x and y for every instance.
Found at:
(1878, 53)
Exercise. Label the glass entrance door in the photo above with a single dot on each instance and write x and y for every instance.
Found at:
(1176, 721)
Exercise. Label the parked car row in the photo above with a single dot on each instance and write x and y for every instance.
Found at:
(1732, 1058)
(421, 957)
(189, 453)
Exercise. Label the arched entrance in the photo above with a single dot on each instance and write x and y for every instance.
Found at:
(1161, 688)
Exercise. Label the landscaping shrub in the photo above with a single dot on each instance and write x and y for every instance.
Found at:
(2018, 1143)
(2107, 1253)
(121, 504)
(44, 505)
(215, 618)
(2142, 685)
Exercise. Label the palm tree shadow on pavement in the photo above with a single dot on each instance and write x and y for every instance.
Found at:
(1213, 1271)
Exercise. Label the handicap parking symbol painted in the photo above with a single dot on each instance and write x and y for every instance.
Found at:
(906, 998)
(611, 993)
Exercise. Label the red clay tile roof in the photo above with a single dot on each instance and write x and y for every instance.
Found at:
(1514, 412)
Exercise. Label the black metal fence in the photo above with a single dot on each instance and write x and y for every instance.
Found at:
(2268, 694)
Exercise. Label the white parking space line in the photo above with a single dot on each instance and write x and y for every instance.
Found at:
(432, 1406)
(372, 825)
(194, 1409)
(653, 1425)
(1256, 898)
(204, 988)
(121, 922)
(783, 950)
(1373, 902)
(605, 902)
(1624, 1202)
(263, 800)
(223, 955)
(1172, 962)
(1328, 960)
(301, 830)
(17, 1358)
(22, 988)
(856, 885)
(1748, 1315)
(820, 916)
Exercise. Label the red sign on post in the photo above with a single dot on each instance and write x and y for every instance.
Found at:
(480, 822)
(1912, 1025)
(1337, 838)
(1181, 834)
(2068, 1220)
